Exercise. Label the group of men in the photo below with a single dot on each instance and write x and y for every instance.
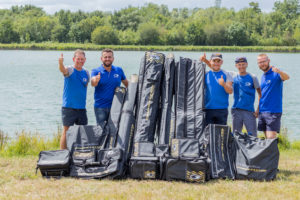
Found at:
(76, 78)
(219, 84)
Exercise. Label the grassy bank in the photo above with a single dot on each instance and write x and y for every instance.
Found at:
(19, 181)
(89, 46)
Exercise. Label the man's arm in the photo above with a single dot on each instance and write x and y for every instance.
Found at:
(61, 65)
(284, 76)
(258, 90)
(125, 82)
(95, 80)
(203, 59)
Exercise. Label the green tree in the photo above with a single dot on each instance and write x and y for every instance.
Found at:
(148, 34)
(7, 34)
(236, 34)
(195, 34)
(126, 19)
(104, 35)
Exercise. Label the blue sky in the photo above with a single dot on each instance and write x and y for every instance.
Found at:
(51, 6)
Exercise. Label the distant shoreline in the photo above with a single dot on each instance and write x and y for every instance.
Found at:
(94, 47)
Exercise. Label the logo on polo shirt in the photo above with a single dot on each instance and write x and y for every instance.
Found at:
(116, 75)
(248, 84)
(268, 81)
(84, 80)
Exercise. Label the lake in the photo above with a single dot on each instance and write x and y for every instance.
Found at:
(31, 86)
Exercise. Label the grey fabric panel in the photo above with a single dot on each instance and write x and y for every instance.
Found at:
(149, 98)
(256, 158)
(115, 115)
(167, 100)
(190, 100)
(199, 98)
(180, 98)
(185, 148)
(189, 97)
(84, 135)
(145, 149)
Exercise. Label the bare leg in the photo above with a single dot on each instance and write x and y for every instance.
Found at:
(63, 141)
(271, 134)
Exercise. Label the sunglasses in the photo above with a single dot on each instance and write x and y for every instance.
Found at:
(217, 60)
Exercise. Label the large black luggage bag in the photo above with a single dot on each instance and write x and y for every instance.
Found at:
(54, 163)
(217, 141)
(256, 158)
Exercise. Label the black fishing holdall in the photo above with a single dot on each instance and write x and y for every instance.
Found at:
(54, 163)
(217, 142)
(256, 158)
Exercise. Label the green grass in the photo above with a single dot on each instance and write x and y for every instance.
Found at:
(90, 46)
(19, 181)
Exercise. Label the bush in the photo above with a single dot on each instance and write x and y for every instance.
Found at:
(283, 141)
(104, 35)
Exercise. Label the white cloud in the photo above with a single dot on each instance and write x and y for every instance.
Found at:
(51, 6)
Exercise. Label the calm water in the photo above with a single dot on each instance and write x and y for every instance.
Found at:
(31, 86)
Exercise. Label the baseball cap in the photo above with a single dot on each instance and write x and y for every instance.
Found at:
(240, 60)
(216, 56)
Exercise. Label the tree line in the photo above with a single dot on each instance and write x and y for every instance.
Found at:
(154, 24)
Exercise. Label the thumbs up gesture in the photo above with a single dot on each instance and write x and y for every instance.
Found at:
(61, 60)
(221, 81)
(203, 58)
(97, 78)
(274, 69)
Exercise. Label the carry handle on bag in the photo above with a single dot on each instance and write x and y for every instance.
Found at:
(54, 163)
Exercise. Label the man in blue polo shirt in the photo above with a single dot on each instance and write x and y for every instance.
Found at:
(105, 79)
(218, 84)
(244, 86)
(76, 79)
(270, 104)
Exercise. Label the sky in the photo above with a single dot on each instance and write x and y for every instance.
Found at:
(51, 6)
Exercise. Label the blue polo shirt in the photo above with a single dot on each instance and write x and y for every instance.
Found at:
(75, 88)
(244, 91)
(271, 91)
(215, 95)
(104, 91)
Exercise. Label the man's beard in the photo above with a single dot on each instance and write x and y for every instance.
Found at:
(107, 65)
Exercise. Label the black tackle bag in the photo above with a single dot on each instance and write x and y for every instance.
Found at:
(256, 158)
(217, 141)
(54, 163)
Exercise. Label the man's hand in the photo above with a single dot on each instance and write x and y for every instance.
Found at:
(97, 78)
(61, 65)
(274, 69)
(61, 59)
(203, 58)
(221, 81)
(256, 113)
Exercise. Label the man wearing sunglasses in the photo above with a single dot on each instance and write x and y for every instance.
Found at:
(218, 84)
(270, 104)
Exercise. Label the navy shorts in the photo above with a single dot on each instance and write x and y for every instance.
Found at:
(269, 122)
(216, 116)
(72, 116)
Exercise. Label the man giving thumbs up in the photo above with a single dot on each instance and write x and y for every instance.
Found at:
(218, 87)
(76, 79)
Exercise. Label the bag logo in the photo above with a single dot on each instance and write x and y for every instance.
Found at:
(193, 176)
(149, 174)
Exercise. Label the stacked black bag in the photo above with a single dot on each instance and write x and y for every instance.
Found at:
(166, 144)
(144, 162)
(186, 162)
